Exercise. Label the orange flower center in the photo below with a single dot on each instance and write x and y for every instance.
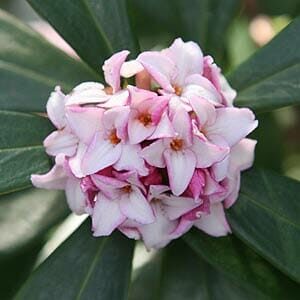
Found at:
(176, 144)
(127, 189)
(145, 119)
(178, 90)
(108, 90)
(114, 138)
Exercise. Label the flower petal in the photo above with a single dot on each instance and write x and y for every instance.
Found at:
(129, 228)
(232, 124)
(99, 155)
(75, 196)
(242, 155)
(112, 69)
(135, 206)
(61, 141)
(56, 108)
(118, 99)
(228, 92)
(160, 67)
(137, 131)
(188, 58)
(131, 68)
(215, 223)
(76, 160)
(181, 166)
(208, 153)
(163, 129)
(131, 160)
(157, 234)
(197, 184)
(183, 226)
(87, 93)
(199, 86)
(84, 121)
(182, 125)
(204, 110)
(153, 154)
(109, 186)
(175, 207)
(117, 118)
(232, 184)
(55, 179)
(107, 216)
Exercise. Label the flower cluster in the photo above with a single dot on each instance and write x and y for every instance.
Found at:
(154, 159)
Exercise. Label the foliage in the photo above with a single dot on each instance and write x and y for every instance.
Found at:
(259, 260)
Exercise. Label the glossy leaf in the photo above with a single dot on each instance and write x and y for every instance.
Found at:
(269, 136)
(21, 149)
(178, 273)
(25, 218)
(270, 78)
(277, 7)
(94, 28)
(84, 267)
(30, 67)
(15, 269)
(203, 21)
(221, 15)
(242, 265)
(266, 216)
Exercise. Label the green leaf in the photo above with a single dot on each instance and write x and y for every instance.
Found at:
(25, 219)
(269, 136)
(242, 265)
(21, 149)
(178, 273)
(15, 269)
(220, 17)
(84, 267)
(266, 216)
(26, 216)
(203, 21)
(30, 67)
(94, 28)
(277, 7)
(270, 78)
(147, 278)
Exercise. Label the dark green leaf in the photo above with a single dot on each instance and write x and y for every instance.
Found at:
(15, 269)
(242, 265)
(178, 273)
(30, 67)
(266, 216)
(26, 216)
(220, 17)
(203, 21)
(270, 78)
(83, 267)
(147, 278)
(269, 136)
(21, 149)
(278, 7)
(94, 28)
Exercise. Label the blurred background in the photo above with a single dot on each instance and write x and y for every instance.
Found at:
(254, 24)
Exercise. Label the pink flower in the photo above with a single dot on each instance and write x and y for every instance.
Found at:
(109, 145)
(182, 153)
(152, 163)
(58, 178)
(179, 72)
(119, 199)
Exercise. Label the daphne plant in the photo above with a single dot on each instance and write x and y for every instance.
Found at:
(153, 148)
(152, 164)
